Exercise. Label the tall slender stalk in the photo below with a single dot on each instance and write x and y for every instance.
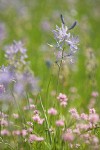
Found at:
(59, 69)
(46, 119)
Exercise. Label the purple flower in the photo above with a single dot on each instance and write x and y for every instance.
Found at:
(61, 34)
(25, 82)
(7, 79)
(16, 54)
(17, 78)
(64, 38)
(73, 42)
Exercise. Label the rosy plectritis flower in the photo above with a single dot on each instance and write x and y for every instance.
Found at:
(37, 119)
(52, 111)
(62, 99)
(34, 137)
(68, 136)
(60, 122)
(74, 113)
(5, 132)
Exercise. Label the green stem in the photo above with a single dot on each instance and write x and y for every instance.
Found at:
(46, 120)
(59, 68)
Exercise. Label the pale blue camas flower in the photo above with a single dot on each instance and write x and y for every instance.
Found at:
(7, 79)
(66, 44)
(25, 82)
(73, 42)
(7, 75)
(61, 34)
(16, 54)
(17, 78)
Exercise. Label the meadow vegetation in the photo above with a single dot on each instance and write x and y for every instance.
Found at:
(49, 75)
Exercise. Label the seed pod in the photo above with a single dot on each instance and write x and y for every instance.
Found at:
(62, 19)
(73, 25)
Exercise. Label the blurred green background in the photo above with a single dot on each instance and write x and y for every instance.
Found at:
(32, 22)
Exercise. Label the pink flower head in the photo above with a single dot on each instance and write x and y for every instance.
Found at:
(60, 123)
(63, 99)
(93, 118)
(68, 136)
(95, 140)
(5, 132)
(41, 121)
(77, 131)
(33, 138)
(16, 132)
(52, 111)
(4, 123)
(32, 106)
(30, 130)
(83, 126)
(92, 111)
(36, 111)
(2, 115)
(86, 136)
(74, 113)
(16, 116)
(69, 130)
(37, 119)
(24, 132)
(95, 94)
(26, 107)
(63, 104)
(84, 116)
(92, 103)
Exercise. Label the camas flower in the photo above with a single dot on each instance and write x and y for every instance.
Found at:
(64, 38)
(16, 54)
(60, 34)
(23, 76)
(7, 78)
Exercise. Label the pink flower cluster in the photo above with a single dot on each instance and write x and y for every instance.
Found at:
(5, 132)
(23, 132)
(52, 111)
(62, 99)
(85, 123)
(95, 94)
(34, 137)
(4, 123)
(60, 122)
(74, 113)
(37, 119)
(92, 102)
(68, 135)
(30, 107)
(93, 116)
